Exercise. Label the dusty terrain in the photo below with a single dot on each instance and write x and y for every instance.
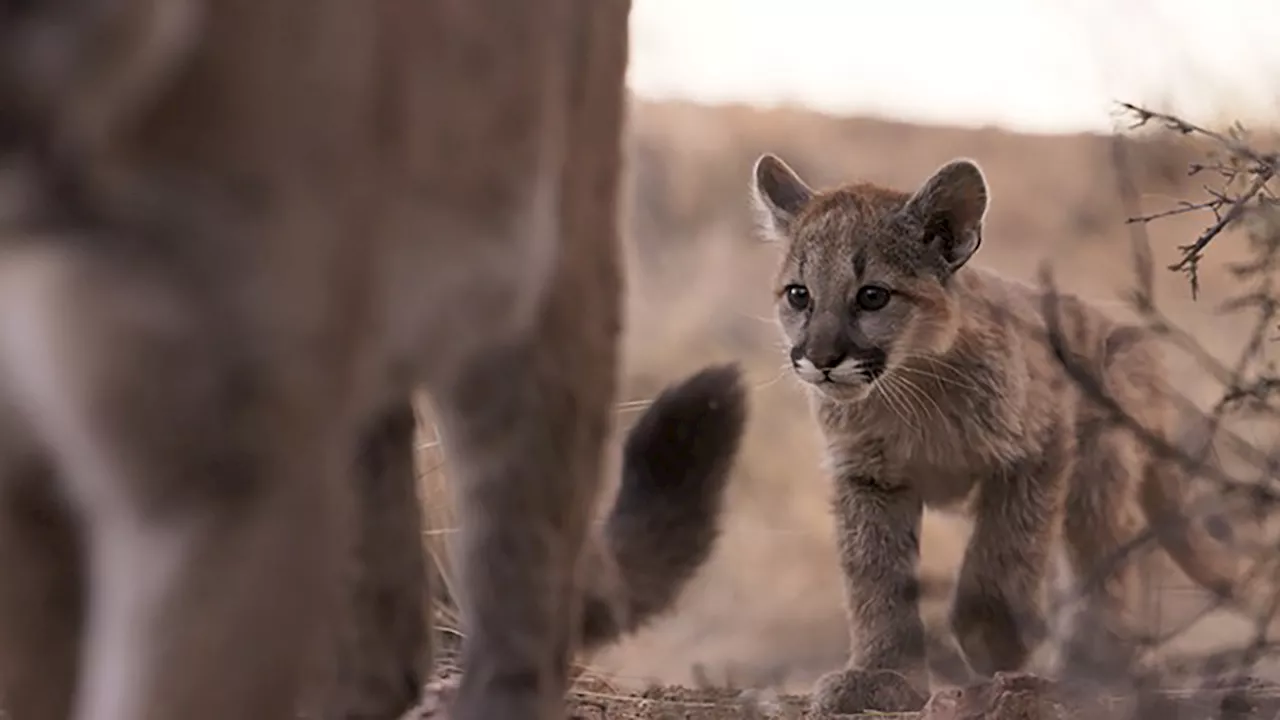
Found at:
(766, 613)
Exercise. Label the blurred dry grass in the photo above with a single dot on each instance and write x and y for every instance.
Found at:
(767, 609)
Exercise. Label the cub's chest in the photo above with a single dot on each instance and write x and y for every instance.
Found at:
(944, 466)
(941, 485)
(943, 454)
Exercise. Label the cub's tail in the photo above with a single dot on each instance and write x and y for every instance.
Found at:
(666, 518)
(1204, 547)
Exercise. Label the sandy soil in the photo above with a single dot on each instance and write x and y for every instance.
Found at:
(1016, 696)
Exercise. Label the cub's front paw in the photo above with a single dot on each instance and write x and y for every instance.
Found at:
(852, 691)
(996, 633)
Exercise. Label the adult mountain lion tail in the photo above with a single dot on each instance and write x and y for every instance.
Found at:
(666, 518)
(1192, 543)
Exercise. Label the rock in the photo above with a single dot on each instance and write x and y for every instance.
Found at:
(1007, 696)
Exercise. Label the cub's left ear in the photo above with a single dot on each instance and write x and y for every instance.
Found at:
(778, 194)
(951, 205)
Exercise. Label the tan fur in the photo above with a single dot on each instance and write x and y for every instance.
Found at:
(235, 235)
(950, 395)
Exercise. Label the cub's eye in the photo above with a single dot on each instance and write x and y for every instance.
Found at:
(872, 297)
(797, 297)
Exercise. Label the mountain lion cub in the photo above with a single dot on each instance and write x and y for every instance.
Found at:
(234, 236)
(933, 383)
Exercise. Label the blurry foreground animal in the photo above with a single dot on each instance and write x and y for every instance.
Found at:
(234, 234)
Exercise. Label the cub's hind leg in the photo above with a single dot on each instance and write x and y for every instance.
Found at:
(1101, 521)
(1105, 516)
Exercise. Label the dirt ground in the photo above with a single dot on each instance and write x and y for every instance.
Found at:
(1015, 696)
(766, 613)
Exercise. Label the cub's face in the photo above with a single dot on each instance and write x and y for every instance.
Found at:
(863, 289)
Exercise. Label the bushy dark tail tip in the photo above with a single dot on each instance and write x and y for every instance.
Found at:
(689, 430)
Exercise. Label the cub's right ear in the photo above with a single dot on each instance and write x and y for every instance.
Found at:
(779, 195)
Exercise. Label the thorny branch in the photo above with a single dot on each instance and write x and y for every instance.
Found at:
(1243, 161)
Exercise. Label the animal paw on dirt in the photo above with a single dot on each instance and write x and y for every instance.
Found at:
(852, 691)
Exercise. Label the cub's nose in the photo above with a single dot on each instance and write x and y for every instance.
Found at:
(822, 359)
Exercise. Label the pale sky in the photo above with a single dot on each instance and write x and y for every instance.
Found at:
(1032, 65)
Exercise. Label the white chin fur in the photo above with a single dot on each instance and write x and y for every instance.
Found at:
(844, 391)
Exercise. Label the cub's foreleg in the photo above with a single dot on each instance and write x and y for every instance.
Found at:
(878, 530)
